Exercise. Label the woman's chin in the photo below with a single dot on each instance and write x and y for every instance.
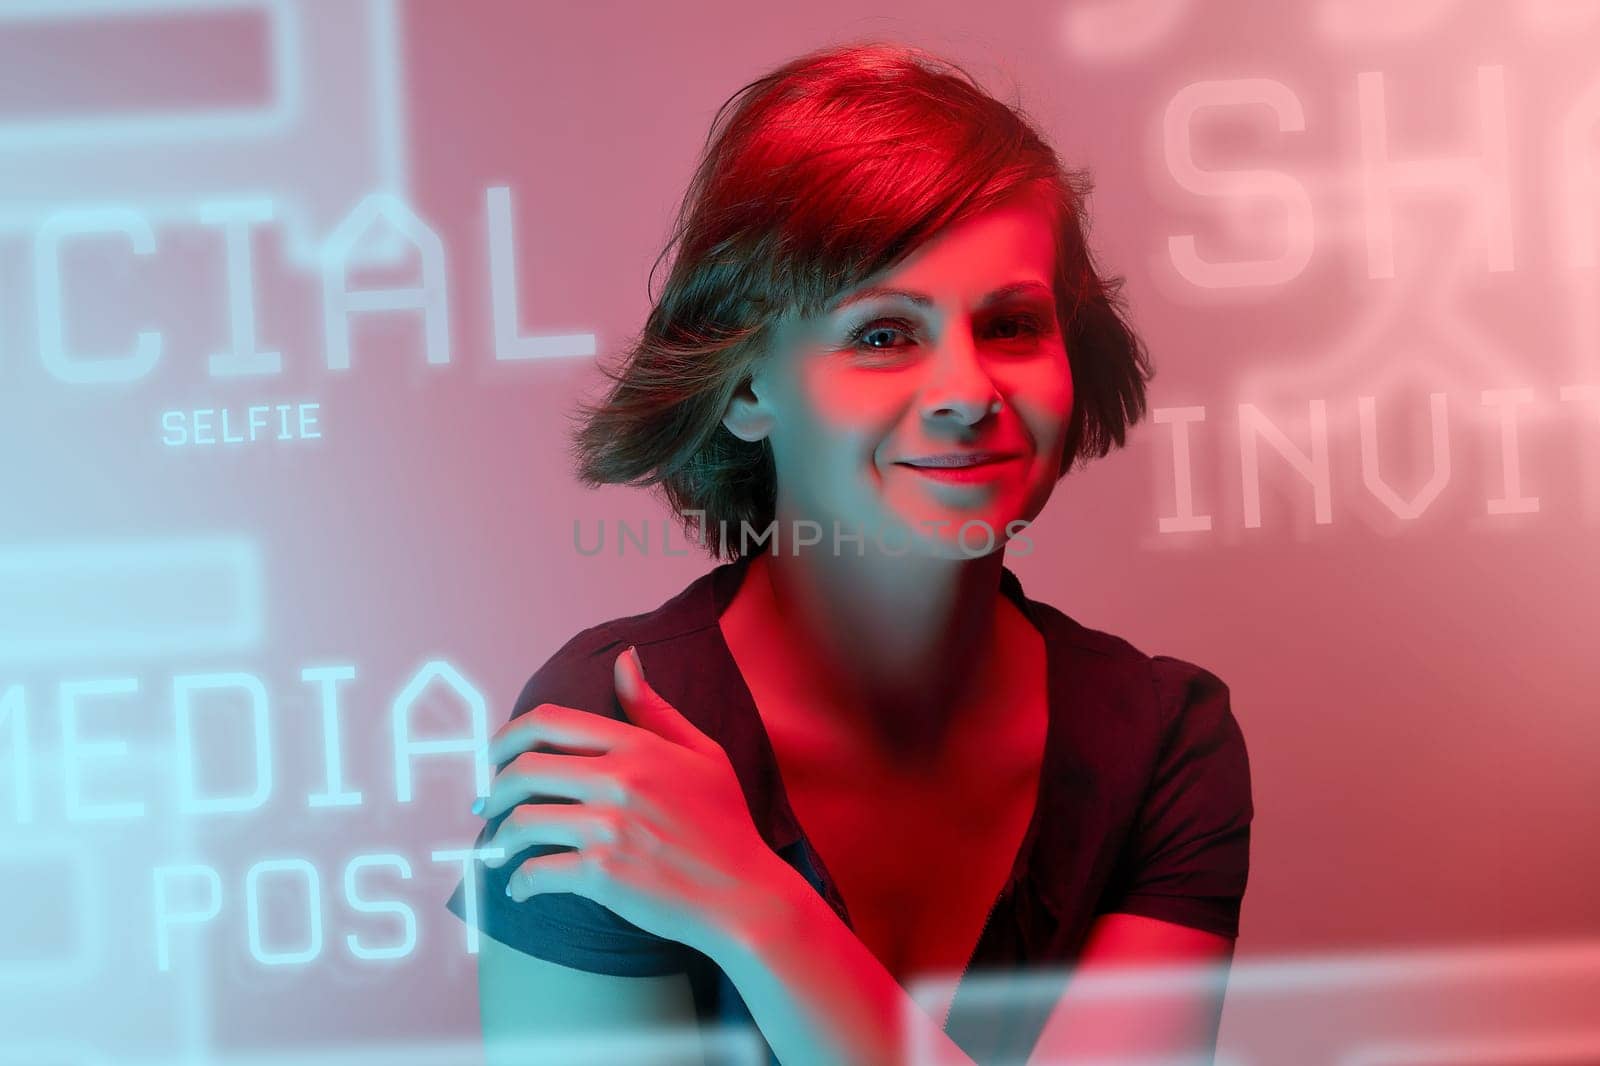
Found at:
(966, 536)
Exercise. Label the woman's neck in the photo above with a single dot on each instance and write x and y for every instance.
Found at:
(892, 649)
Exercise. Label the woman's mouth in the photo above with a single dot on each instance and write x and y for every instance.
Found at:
(970, 467)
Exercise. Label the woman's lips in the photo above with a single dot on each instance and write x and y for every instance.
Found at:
(967, 472)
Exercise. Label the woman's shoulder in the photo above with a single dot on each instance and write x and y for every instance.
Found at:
(670, 637)
(1067, 631)
(1171, 701)
(1172, 750)
(1188, 717)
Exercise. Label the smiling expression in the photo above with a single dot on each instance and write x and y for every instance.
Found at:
(908, 367)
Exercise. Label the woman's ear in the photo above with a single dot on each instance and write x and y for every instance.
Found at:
(748, 416)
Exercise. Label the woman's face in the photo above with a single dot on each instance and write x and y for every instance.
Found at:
(850, 397)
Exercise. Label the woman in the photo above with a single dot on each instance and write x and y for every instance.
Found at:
(857, 753)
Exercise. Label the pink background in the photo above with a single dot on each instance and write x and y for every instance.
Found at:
(1419, 695)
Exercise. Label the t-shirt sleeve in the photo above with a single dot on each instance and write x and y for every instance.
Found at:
(1188, 856)
(564, 927)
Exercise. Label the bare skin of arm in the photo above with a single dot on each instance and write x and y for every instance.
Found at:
(702, 875)
(819, 995)
(523, 1001)
(1180, 1020)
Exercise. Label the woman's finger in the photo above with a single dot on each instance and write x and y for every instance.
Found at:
(547, 773)
(568, 824)
(649, 710)
(552, 723)
(566, 871)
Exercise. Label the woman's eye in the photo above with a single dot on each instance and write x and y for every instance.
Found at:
(1027, 325)
(1009, 328)
(876, 327)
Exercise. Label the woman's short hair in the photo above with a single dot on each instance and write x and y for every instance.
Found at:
(814, 178)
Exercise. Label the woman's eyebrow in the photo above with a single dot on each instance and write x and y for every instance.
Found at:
(923, 300)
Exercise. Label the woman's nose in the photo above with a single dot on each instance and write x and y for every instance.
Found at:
(958, 386)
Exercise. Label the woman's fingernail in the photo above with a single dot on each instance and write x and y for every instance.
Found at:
(508, 890)
(477, 805)
(627, 679)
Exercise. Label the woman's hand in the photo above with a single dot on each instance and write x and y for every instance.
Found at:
(663, 834)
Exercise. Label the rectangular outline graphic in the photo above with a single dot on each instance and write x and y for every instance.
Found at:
(285, 61)
(176, 152)
(147, 632)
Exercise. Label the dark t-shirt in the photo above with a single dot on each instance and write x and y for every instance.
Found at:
(1144, 806)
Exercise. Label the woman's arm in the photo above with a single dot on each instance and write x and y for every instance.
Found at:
(815, 991)
(1142, 989)
(533, 1012)
(818, 994)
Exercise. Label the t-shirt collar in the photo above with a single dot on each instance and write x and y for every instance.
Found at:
(750, 749)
